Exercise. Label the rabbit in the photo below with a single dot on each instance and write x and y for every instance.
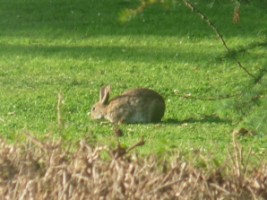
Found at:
(135, 106)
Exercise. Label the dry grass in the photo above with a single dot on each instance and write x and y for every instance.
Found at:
(46, 170)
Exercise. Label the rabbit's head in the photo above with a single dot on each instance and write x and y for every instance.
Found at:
(98, 111)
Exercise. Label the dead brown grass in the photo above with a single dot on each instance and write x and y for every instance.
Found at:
(46, 170)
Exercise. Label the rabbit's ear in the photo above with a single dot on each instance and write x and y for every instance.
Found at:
(104, 94)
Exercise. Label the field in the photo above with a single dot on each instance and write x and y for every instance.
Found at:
(72, 48)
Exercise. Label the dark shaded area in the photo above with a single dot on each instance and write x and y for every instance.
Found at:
(114, 52)
(90, 17)
(204, 119)
(262, 72)
(244, 49)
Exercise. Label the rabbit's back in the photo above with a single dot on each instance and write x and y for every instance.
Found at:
(136, 106)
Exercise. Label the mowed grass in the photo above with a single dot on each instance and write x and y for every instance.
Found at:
(74, 48)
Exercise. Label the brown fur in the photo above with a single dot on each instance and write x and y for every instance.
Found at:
(135, 106)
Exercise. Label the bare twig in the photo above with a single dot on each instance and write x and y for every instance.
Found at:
(166, 185)
(60, 121)
(140, 143)
(36, 142)
(216, 186)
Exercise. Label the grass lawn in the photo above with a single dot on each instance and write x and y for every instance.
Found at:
(74, 48)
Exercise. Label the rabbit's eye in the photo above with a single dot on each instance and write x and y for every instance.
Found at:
(93, 109)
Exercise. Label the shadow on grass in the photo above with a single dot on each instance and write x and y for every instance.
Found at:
(204, 119)
(113, 53)
(239, 51)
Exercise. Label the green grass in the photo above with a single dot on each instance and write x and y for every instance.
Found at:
(47, 47)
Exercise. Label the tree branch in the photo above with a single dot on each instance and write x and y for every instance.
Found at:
(217, 32)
